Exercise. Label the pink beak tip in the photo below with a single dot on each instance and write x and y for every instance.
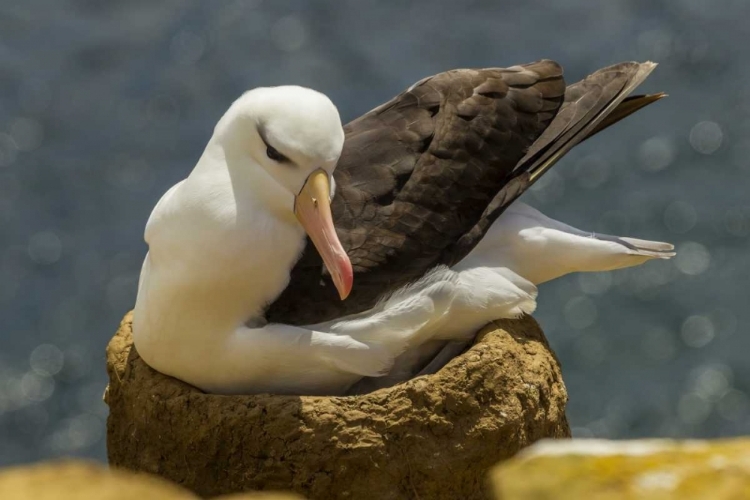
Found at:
(347, 281)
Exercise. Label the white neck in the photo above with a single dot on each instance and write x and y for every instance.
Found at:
(216, 242)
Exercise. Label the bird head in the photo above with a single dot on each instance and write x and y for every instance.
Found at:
(288, 140)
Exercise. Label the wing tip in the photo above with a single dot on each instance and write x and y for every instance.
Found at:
(654, 249)
(655, 255)
(647, 99)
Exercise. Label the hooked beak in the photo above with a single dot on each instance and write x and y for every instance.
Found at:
(312, 207)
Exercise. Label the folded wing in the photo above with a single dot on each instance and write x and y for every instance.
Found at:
(422, 177)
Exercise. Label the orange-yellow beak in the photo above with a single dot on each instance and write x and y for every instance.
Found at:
(312, 207)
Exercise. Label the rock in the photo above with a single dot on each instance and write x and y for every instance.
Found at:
(431, 437)
(83, 480)
(619, 470)
(78, 480)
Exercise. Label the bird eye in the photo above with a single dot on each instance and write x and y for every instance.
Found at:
(273, 154)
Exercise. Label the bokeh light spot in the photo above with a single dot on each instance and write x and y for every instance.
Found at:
(692, 258)
(706, 137)
(580, 312)
(656, 153)
(549, 188)
(737, 221)
(45, 247)
(591, 172)
(27, 134)
(289, 33)
(711, 381)
(733, 406)
(37, 387)
(46, 359)
(693, 409)
(697, 331)
(680, 217)
(8, 150)
(594, 283)
(187, 47)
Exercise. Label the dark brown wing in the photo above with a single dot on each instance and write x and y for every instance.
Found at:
(416, 174)
(422, 177)
(591, 105)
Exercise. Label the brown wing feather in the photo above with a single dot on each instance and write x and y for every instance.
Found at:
(422, 177)
(594, 103)
(416, 173)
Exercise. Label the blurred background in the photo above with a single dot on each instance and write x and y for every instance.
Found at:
(104, 105)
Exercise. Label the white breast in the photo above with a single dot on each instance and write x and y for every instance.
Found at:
(210, 268)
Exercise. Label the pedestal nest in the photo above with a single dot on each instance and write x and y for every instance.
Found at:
(431, 437)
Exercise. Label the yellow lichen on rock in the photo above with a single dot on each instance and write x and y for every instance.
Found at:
(620, 470)
(83, 480)
(79, 480)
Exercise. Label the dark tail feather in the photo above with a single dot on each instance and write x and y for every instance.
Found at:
(590, 106)
(625, 109)
(587, 104)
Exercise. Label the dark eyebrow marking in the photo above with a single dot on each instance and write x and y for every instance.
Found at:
(270, 150)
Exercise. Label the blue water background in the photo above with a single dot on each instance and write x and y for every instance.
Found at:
(104, 105)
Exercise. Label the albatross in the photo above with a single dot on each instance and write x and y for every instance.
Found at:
(303, 257)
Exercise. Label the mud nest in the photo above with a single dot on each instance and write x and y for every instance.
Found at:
(431, 437)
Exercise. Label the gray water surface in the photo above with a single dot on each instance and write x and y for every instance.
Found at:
(104, 105)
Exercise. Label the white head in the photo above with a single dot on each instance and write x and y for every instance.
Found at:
(283, 143)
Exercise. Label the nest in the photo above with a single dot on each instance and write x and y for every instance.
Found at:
(433, 437)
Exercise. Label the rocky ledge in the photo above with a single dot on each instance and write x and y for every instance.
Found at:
(624, 470)
(78, 480)
(431, 437)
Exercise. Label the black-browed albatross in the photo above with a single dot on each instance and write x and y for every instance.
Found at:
(410, 218)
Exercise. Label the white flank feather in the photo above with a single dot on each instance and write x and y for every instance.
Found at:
(541, 249)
